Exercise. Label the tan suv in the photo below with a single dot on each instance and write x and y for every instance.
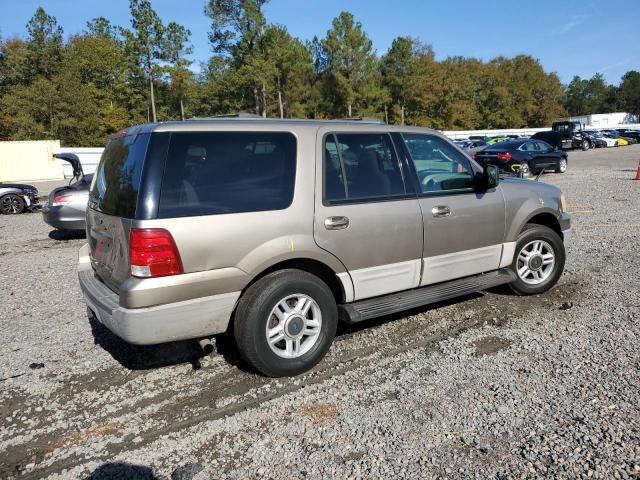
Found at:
(275, 230)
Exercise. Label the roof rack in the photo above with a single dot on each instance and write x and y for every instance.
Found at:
(363, 120)
(229, 115)
(253, 116)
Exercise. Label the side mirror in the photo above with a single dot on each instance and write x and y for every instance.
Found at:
(489, 178)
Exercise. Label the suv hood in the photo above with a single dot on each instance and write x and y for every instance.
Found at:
(73, 159)
(538, 186)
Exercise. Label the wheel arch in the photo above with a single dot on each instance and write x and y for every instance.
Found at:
(546, 219)
(312, 266)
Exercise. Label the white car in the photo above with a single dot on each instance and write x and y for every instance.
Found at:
(611, 142)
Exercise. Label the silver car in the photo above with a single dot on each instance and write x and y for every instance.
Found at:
(66, 207)
(276, 230)
(16, 198)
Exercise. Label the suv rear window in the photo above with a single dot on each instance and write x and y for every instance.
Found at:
(114, 189)
(222, 172)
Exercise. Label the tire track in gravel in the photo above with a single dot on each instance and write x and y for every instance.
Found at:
(37, 246)
(222, 391)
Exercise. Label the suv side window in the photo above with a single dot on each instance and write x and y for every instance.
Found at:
(439, 166)
(209, 173)
(360, 166)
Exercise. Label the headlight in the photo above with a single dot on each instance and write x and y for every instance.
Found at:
(563, 203)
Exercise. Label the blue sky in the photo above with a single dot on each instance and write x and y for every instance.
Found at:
(569, 37)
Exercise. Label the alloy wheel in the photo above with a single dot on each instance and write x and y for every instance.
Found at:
(294, 326)
(535, 262)
(562, 165)
(11, 205)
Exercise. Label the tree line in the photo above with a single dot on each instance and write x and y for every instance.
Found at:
(108, 77)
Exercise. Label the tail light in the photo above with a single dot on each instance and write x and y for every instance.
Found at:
(504, 156)
(60, 199)
(153, 253)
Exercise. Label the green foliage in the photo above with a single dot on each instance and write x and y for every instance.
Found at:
(586, 96)
(350, 81)
(44, 48)
(236, 26)
(630, 93)
(108, 77)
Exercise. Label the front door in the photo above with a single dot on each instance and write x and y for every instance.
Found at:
(366, 213)
(463, 229)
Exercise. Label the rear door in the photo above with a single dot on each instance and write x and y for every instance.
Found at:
(366, 213)
(545, 155)
(463, 229)
(113, 199)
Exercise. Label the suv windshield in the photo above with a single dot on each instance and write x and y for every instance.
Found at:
(114, 189)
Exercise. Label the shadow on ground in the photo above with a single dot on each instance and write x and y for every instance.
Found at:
(144, 357)
(127, 471)
(124, 471)
(64, 235)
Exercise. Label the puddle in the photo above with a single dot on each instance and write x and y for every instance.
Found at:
(490, 345)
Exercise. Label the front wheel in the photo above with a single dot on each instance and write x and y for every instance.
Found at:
(12, 204)
(585, 145)
(285, 323)
(562, 165)
(539, 260)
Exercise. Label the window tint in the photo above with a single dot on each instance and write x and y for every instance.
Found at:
(528, 147)
(334, 186)
(543, 147)
(114, 189)
(221, 172)
(367, 162)
(439, 166)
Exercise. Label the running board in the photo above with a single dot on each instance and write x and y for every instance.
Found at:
(397, 302)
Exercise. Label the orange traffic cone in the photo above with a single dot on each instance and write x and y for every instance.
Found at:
(638, 172)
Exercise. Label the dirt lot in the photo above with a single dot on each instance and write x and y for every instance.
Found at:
(487, 386)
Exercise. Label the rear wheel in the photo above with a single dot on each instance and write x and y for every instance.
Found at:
(285, 323)
(539, 260)
(11, 204)
(562, 165)
(525, 169)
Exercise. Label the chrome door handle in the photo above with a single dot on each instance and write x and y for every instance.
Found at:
(336, 223)
(441, 211)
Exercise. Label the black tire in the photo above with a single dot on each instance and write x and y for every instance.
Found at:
(253, 312)
(562, 165)
(12, 204)
(532, 232)
(586, 145)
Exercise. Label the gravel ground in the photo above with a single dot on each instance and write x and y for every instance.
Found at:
(487, 386)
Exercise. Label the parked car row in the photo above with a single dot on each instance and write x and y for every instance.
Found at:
(66, 206)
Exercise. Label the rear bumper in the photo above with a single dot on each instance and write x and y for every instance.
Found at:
(57, 218)
(159, 324)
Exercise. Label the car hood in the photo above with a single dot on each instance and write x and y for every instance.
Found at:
(21, 186)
